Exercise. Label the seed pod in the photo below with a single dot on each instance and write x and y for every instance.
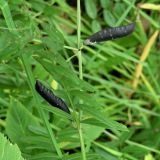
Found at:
(110, 33)
(48, 95)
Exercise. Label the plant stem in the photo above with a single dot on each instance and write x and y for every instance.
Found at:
(79, 128)
(70, 48)
(78, 24)
(80, 64)
(82, 143)
(80, 72)
(79, 39)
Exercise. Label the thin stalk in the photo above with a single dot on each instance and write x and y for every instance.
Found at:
(118, 154)
(73, 107)
(78, 24)
(79, 39)
(80, 72)
(71, 48)
(78, 127)
(82, 143)
(133, 143)
(80, 64)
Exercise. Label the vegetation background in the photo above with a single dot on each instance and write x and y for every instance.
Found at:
(111, 88)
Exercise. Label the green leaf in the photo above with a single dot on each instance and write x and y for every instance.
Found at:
(96, 26)
(59, 73)
(119, 8)
(125, 136)
(44, 156)
(105, 3)
(54, 39)
(57, 112)
(18, 121)
(37, 142)
(17, 2)
(94, 122)
(9, 151)
(38, 5)
(91, 8)
(109, 18)
(135, 150)
(8, 46)
(78, 156)
(91, 132)
(105, 155)
(7, 15)
(100, 116)
(68, 138)
(56, 65)
(84, 98)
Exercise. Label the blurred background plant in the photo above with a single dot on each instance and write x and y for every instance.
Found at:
(120, 86)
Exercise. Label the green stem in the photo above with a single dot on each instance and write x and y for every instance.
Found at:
(80, 64)
(78, 126)
(79, 39)
(80, 73)
(112, 136)
(71, 48)
(118, 154)
(78, 24)
(82, 143)
(73, 107)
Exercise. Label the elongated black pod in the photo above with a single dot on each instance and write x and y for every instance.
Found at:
(110, 33)
(48, 95)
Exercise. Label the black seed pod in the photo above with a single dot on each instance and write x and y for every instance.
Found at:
(48, 95)
(110, 33)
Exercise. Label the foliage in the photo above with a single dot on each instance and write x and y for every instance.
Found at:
(8, 150)
(110, 118)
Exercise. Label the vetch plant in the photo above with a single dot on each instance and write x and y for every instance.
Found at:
(103, 35)
(89, 117)
(107, 34)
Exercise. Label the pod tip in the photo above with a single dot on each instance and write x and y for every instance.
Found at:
(88, 42)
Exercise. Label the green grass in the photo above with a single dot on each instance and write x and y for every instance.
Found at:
(110, 119)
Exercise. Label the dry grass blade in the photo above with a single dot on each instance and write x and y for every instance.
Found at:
(150, 6)
(143, 58)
